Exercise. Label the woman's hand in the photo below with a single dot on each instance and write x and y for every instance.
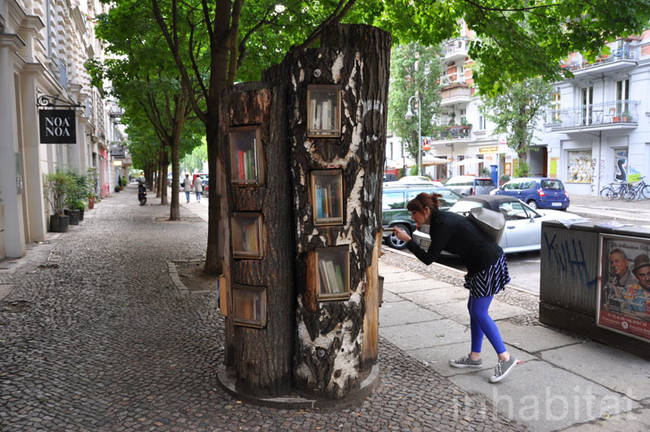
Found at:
(402, 235)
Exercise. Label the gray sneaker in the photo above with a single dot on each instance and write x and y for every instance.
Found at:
(502, 369)
(466, 362)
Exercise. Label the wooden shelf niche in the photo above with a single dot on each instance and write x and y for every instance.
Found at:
(247, 235)
(249, 306)
(323, 111)
(333, 274)
(246, 161)
(327, 197)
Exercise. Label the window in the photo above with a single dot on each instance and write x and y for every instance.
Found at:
(579, 166)
(482, 122)
(555, 107)
(552, 185)
(587, 105)
(393, 200)
(515, 210)
(323, 111)
(622, 97)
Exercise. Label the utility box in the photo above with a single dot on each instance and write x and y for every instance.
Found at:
(592, 282)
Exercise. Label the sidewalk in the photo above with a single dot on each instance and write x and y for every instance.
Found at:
(563, 383)
(94, 336)
(637, 211)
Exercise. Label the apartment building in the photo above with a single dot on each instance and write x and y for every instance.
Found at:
(598, 129)
(43, 47)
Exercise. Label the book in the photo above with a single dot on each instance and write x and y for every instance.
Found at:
(240, 165)
(339, 278)
(319, 203)
(322, 274)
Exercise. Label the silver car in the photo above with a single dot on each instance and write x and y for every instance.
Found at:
(523, 230)
(470, 185)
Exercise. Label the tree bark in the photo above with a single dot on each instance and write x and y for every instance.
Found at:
(164, 169)
(174, 208)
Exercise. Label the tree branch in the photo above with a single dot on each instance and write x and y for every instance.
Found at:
(335, 17)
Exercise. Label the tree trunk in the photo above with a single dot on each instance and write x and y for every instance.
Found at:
(174, 208)
(262, 357)
(164, 168)
(336, 345)
(212, 261)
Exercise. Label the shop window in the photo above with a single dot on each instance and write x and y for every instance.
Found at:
(580, 167)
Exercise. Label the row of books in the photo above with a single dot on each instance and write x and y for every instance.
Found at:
(323, 114)
(246, 238)
(331, 277)
(328, 201)
(248, 305)
(245, 168)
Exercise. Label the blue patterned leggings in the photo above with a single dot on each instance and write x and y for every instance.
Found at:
(481, 324)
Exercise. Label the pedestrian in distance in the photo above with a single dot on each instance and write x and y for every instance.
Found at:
(187, 187)
(198, 188)
(487, 273)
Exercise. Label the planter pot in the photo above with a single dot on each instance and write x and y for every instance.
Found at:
(59, 223)
(81, 214)
(74, 216)
(91, 203)
(616, 119)
(117, 189)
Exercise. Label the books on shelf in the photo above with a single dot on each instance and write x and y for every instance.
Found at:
(246, 165)
(330, 274)
(328, 200)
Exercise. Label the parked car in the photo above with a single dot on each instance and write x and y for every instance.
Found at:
(418, 180)
(537, 192)
(395, 197)
(469, 185)
(523, 230)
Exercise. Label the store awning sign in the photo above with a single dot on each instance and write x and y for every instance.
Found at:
(57, 126)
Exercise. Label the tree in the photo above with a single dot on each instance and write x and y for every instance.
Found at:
(516, 112)
(145, 81)
(414, 69)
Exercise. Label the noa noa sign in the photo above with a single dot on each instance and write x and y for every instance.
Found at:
(57, 126)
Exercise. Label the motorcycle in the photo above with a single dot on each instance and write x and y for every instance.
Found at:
(142, 194)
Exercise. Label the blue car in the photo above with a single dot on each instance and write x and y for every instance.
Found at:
(537, 192)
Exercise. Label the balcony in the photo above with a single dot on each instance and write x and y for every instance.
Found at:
(614, 115)
(455, 93)
(451, 134)
(456, 49)
(620, 59)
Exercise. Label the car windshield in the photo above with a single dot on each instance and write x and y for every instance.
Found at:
(484, 182)
(552, 185)
(392, 200)
(465, 206)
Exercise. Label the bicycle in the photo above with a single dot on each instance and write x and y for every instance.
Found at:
(615, 190)
(640, 190)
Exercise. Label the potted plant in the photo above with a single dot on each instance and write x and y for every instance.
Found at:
(55, 188)
(91, 200)
(626, 117)
(75, 194)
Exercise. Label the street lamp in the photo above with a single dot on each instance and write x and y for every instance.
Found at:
(409, 114)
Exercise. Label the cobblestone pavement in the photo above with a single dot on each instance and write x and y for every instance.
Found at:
(96, 338)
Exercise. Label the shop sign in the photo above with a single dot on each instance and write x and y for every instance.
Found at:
(57, 126)
(489, 149)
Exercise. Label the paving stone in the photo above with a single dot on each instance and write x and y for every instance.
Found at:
(105, 343)
(404, 312)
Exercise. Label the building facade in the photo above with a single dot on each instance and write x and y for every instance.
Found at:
(43, 47)
(598, 128)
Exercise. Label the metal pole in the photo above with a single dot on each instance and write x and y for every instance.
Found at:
(419, 135)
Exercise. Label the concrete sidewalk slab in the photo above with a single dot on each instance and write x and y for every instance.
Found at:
(400, 287)
(438, 296)
(611, 368)
(547, 398)
(426, 334)
(404, 313)
(636, 421)
(458, 312)
(438, 357)
(389, 297)
(534, 338)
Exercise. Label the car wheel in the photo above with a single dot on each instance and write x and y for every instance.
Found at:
(395, 242)
(532, 204)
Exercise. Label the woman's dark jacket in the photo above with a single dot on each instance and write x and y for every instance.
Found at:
(456, 234)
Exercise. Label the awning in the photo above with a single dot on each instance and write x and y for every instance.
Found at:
(465, 162)
(431, 160)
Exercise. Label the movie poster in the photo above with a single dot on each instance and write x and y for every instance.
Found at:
(624, 285)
